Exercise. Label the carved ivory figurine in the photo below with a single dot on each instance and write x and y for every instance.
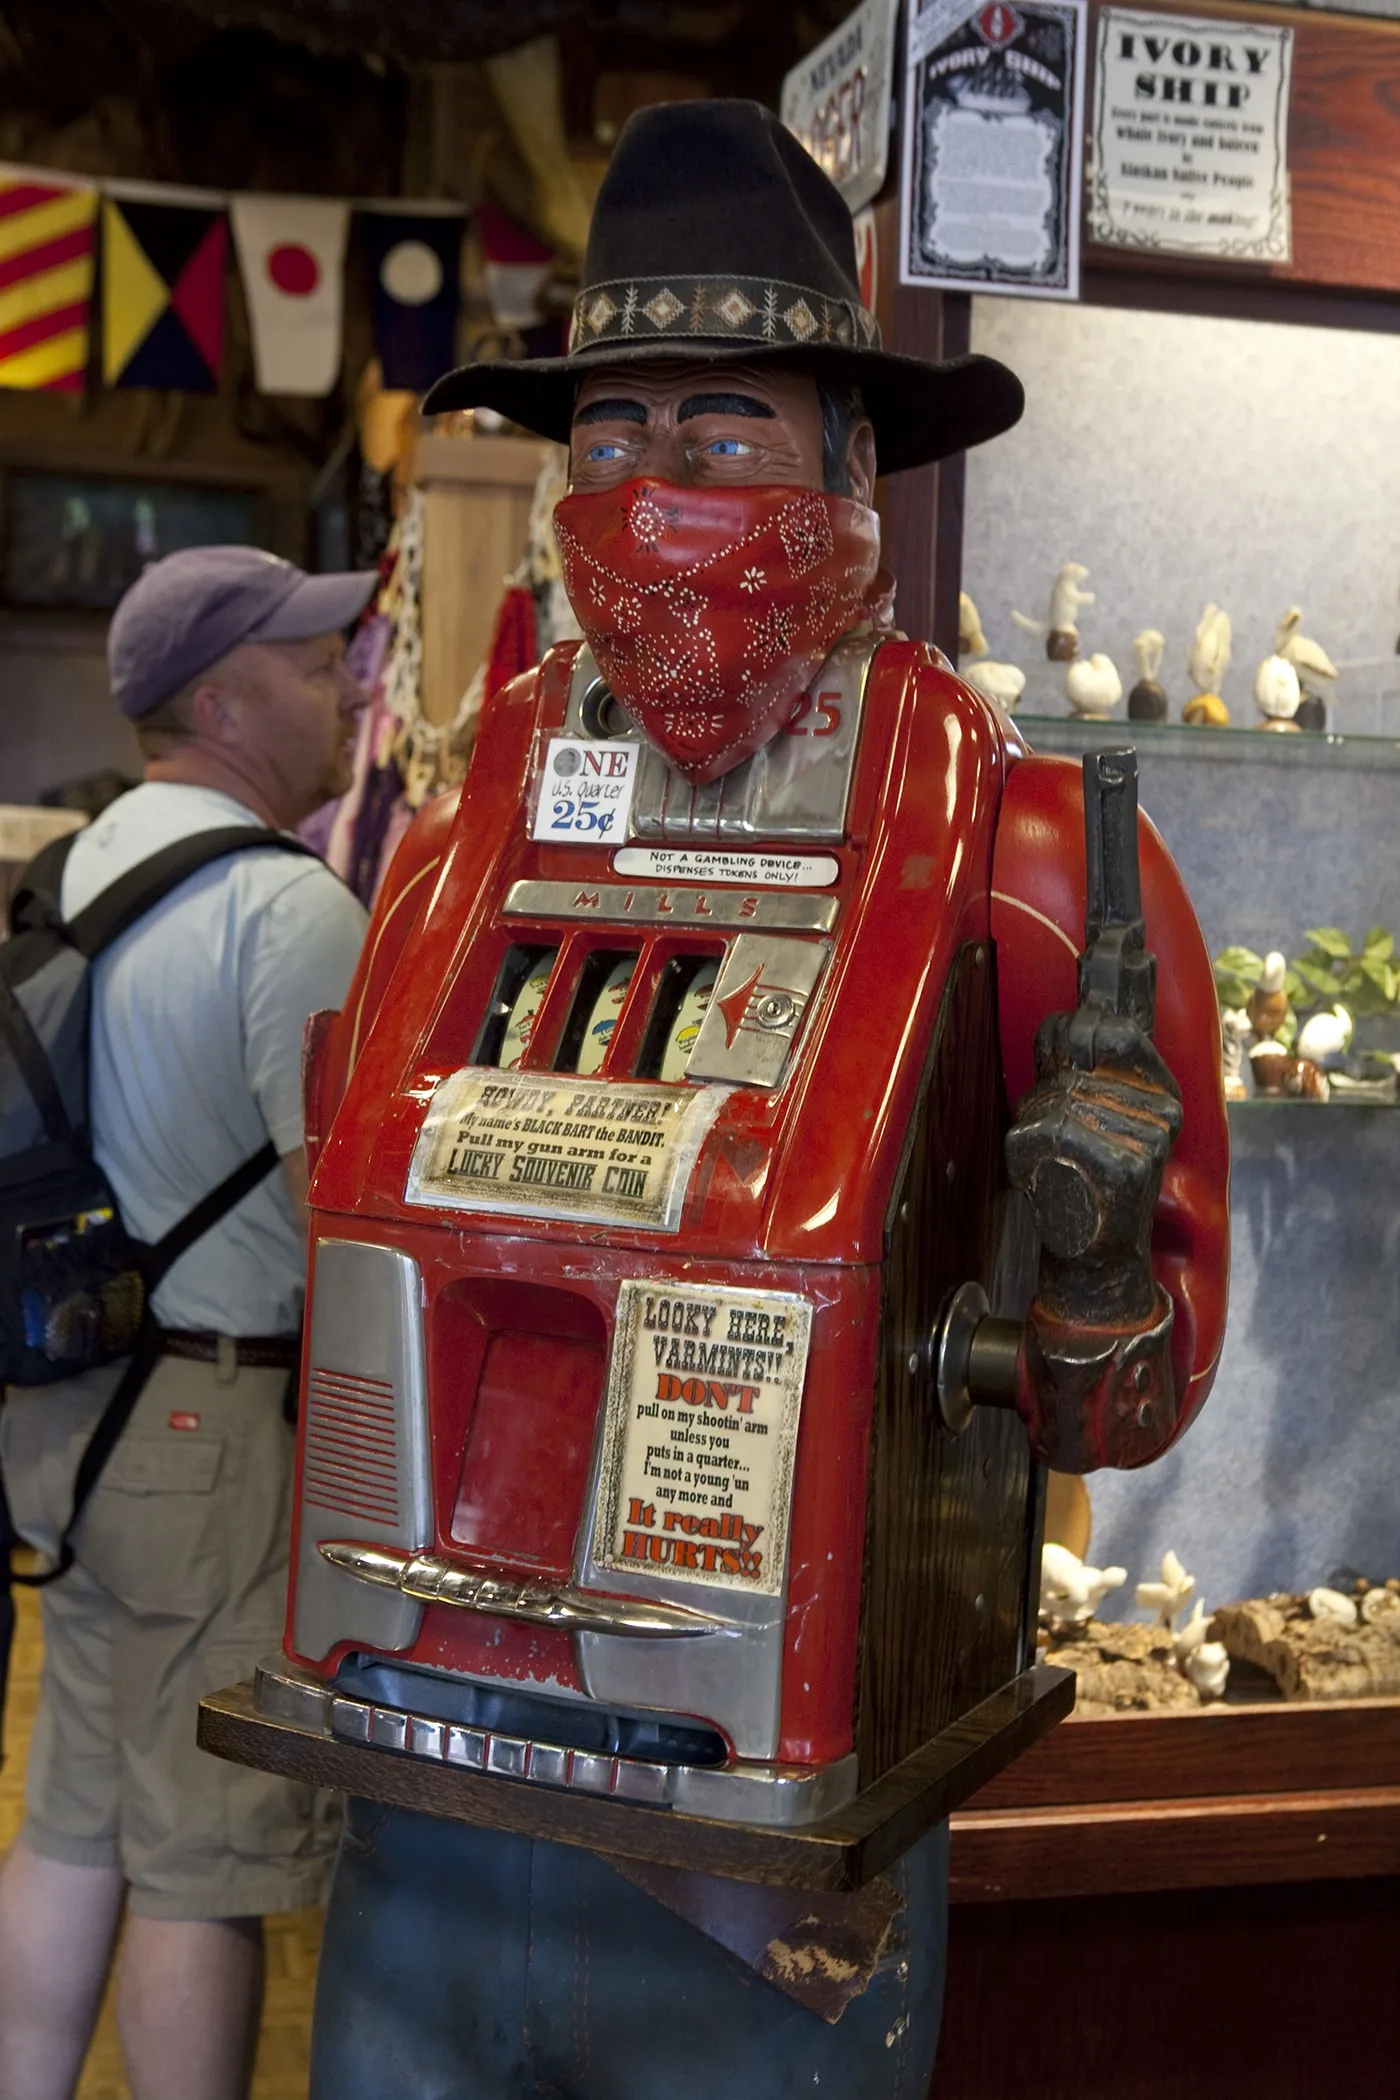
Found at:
(652, 1387)
(1207, 661)
(1066, 598)
(1147, 702)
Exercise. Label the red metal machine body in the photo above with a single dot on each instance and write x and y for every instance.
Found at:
(463, 1390)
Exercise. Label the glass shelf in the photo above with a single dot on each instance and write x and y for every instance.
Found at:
(1066, 733)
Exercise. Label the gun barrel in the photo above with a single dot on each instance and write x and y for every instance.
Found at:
(1111, 841)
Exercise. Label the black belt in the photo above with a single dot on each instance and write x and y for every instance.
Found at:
(260, 1352)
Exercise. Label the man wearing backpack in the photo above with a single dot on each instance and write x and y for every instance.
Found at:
(231, 666)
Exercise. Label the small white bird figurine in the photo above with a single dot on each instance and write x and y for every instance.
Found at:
(1308, 658)
(1277, 693)
(1325, 1037)
(1001, 683)
(1094, 686)
(1069, 1589)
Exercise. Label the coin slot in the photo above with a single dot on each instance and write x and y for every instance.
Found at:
(602, 987)
(520, 988)
(602, 713)
(682, 1001)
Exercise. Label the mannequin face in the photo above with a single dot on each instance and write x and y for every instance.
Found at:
(729, 424)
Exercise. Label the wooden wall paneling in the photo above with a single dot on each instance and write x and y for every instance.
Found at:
(1343, 156)
(950, 1519)
(476, 515)
(1227, 1994)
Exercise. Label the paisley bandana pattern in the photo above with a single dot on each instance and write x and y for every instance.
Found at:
(708, 610)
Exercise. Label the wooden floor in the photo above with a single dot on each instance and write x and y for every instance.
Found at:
(292, 1941)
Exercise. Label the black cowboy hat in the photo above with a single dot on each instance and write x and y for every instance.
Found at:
(716, 235)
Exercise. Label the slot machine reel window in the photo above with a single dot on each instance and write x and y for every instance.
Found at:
(681, 1005)
(602, 988)
(520, 988)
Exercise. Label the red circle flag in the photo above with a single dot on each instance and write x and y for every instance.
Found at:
(293, 269)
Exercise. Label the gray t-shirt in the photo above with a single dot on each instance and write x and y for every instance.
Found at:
(197, 1024)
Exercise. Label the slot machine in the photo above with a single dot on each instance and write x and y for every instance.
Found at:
(658, 1157)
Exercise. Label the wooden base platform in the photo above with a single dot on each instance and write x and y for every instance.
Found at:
(843, 1851)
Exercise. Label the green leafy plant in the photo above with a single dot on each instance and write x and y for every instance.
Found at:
(1328, 972)
(1365, 980)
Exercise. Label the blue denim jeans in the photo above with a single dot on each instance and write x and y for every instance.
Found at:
(465, 1964)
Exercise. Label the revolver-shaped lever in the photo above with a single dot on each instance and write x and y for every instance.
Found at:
(1090, 1370)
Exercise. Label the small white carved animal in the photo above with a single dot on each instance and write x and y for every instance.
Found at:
(1332, 1604)
(1070, 1590)
(1094, 686)
(971, 640)
(1205, 1663)
(1148, 648)
(1308, 658)
(1208, 658)
(1167, 1597)
(1235, 1032)
(1002, 683)
(1325, 1037)
(1066, 596)
(1276, 689)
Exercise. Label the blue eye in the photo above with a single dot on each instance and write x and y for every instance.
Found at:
(727, 448)
(607, 450)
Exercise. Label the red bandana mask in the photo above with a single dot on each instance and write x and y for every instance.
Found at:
(709, 610)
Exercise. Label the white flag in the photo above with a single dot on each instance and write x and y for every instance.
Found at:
(292, 253)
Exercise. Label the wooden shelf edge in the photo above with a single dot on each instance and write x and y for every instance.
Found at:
(1216, 1750)
(1142, 1846)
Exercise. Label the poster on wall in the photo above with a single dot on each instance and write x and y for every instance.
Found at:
(838, 101)
(994, 101)
(1190, 153)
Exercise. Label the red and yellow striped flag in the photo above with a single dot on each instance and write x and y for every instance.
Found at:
(46, 250)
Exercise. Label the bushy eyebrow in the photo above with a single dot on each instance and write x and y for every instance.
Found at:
(611, 412)
(721, 405)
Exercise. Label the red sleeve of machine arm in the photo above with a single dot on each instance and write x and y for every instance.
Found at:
(1038, 900)
(334, 1040)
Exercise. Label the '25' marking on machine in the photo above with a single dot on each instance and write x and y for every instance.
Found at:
(828, 716)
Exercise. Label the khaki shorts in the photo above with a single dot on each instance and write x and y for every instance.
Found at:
(178, 1589)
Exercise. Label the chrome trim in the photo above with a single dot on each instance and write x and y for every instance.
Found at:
(660, 905)
(767, 1795)
(435, 1579)
(764, 988)
(795, 789)
(366, 1443)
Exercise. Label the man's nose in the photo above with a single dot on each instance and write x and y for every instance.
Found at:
(352, 695)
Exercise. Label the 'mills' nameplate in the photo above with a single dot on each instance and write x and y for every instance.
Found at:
(602, 1152)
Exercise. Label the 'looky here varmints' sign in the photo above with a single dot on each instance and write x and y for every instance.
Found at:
(704, 1396)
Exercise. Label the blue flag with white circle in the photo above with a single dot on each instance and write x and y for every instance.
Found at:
(414, 262)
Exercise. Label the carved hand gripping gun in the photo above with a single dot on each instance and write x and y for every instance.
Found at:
(1089, 1371)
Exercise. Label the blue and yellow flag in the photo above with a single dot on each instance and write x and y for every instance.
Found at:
(162, 295)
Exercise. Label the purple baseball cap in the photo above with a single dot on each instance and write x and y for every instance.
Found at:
(190, 609)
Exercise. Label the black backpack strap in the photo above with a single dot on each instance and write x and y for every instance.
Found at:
(132, 895)
(35, 901)
(166, 1251)
(18, 1037)
(149, 1343)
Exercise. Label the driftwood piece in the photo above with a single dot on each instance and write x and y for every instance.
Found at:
(1312, 1658)
(1122, 1669)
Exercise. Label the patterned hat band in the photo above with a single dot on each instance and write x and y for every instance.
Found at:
(760, 310)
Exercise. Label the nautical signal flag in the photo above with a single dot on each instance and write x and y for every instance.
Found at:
(162, 295)
(46, 235)
(414, 264)
(292, 254)
(516, 266)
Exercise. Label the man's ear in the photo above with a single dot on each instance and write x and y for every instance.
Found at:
(860, 460)
(213, 713)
